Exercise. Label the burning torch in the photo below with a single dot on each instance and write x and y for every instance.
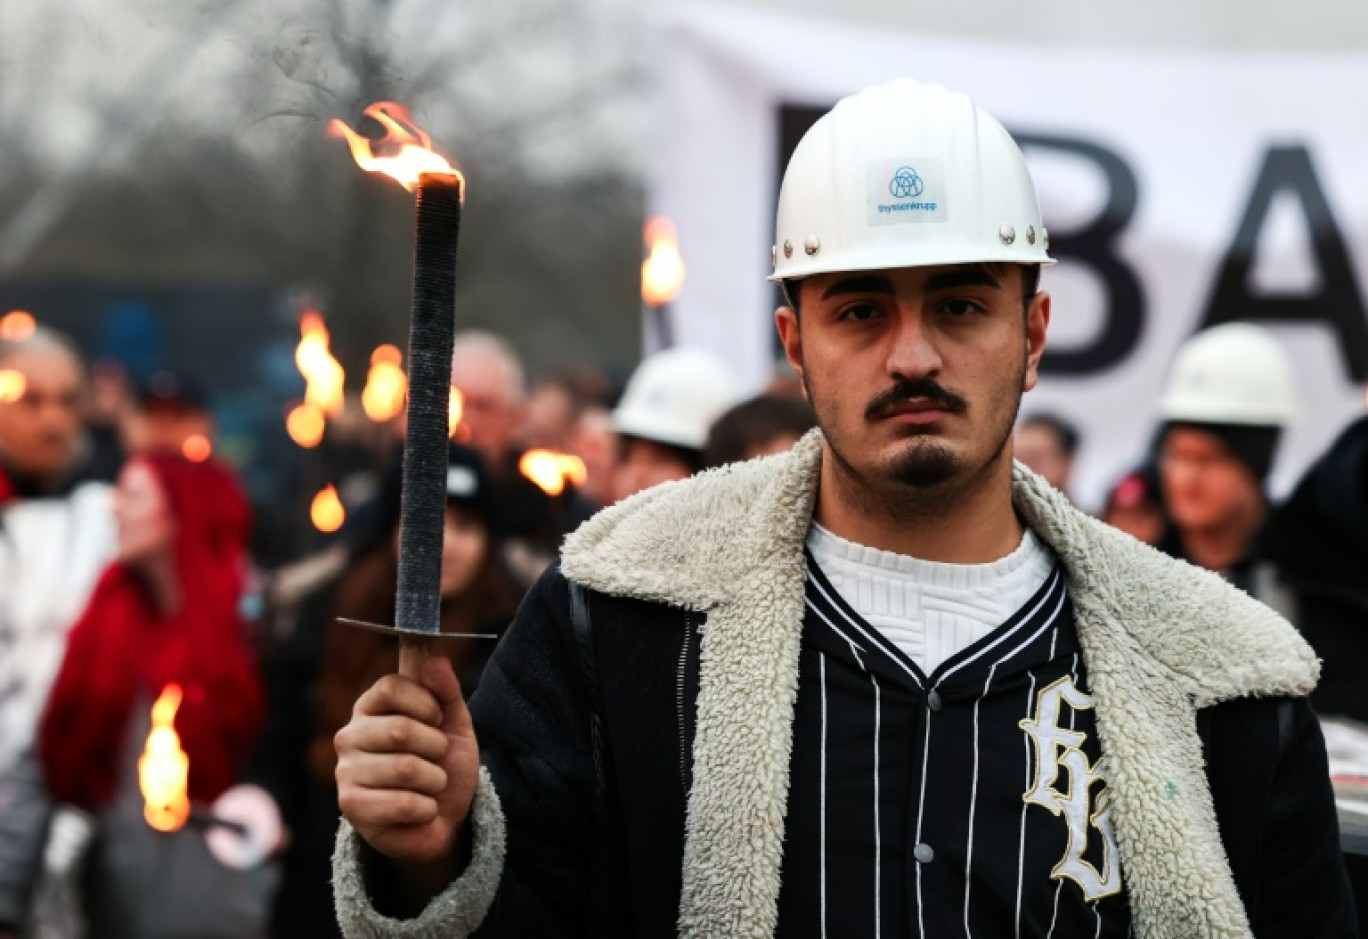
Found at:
(405, 153)
(662, 276)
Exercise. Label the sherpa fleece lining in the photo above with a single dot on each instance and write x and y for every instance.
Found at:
(454, 913)
(1160, 639)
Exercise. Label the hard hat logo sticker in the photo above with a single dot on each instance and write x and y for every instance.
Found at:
(906, 190)
(906, 184)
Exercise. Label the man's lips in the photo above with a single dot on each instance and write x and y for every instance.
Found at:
(913, 412)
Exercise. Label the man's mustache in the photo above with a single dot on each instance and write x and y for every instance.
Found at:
(922, 390)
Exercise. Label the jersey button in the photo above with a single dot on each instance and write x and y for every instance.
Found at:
(923, 853)
(933, 700)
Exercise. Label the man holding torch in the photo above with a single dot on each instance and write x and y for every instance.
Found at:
(884, 683)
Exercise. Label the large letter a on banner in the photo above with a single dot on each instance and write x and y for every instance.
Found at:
(1337, 303)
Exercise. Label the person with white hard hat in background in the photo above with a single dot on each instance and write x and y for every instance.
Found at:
(663, 419)
(885, 683)
(1230, 394)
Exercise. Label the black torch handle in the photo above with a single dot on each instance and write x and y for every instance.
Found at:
(418, 601)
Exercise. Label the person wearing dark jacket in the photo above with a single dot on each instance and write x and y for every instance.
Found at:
(1318, 540)
(886, 683)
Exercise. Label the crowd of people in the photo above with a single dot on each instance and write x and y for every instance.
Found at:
(125, 565)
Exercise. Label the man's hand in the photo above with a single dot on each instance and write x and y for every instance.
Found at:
(408, 764)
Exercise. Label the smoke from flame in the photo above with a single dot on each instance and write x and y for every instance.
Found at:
(662, 273)
(164, 768)
(404, 153)
(326, 512)
(551, 470)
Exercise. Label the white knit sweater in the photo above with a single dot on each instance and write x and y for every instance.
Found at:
(928, 609)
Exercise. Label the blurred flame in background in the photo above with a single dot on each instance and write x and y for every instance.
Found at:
(455, 411)
(17, 325)
(326, 512)
(164, 768)
(662, 273)
(551, 470)
(404, 153)
(12, 385)
(323, 373)
(197, 448)
(386, 385)
(305, 424)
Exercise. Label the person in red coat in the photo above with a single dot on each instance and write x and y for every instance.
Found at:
(166, 611)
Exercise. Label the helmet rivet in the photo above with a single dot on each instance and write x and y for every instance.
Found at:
(1007, 233)
(788, 248)
(774, 255)
(813, 245)
(1030, 234)
(1045, 238)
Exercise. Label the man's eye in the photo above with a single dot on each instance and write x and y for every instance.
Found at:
(960, 307)
(860, 312)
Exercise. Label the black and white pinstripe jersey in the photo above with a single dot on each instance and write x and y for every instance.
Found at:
(968, 802)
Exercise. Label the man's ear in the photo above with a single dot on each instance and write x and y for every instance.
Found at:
(786, 321)
(1037, 324)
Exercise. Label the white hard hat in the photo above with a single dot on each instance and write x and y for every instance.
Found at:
(905, 175)
(674, 396)
(1235, 373)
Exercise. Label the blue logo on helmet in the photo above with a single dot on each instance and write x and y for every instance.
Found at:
(906, 184)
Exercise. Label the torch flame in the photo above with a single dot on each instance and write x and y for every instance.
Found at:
(323, 373)
(386, 385)
(17, 325)
(13, 384)
(455, 411)
(551, 470)
(305, 424)
(404, 153)
(164, 768)
(197, 448)
(662, 273)
(327, 512)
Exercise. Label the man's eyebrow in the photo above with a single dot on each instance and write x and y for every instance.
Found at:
(969, 275)
(865, 283)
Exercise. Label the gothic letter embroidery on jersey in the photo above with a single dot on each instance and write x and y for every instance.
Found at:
(1056, 746)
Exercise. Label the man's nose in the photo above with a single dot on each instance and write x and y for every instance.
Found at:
(912, 351)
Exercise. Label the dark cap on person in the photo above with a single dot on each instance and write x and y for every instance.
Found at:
(173, 389)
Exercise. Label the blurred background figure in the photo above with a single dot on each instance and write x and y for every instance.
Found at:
(1318, 539)
(595, 442)
(329, 664)
(56, 535)
(766, 424)
(663, 419)
(489, 377)
(1047, 444)
(172, 411)
(1133, 505)
(165, 613)
(1229, 395)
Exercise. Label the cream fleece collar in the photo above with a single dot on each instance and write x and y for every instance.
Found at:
(1160, 638)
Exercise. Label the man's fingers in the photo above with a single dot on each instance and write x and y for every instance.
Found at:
(397, 771)
(438, 677)
(392, 734)
(395, 694)
(383, 808)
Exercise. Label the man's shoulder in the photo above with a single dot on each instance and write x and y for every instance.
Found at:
(686, 543)
(1212, 639)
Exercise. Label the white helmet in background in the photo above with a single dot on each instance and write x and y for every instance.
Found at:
(905, 175)
(1235, 373)
(674, 397)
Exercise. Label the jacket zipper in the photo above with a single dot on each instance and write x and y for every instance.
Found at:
(680, 674)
